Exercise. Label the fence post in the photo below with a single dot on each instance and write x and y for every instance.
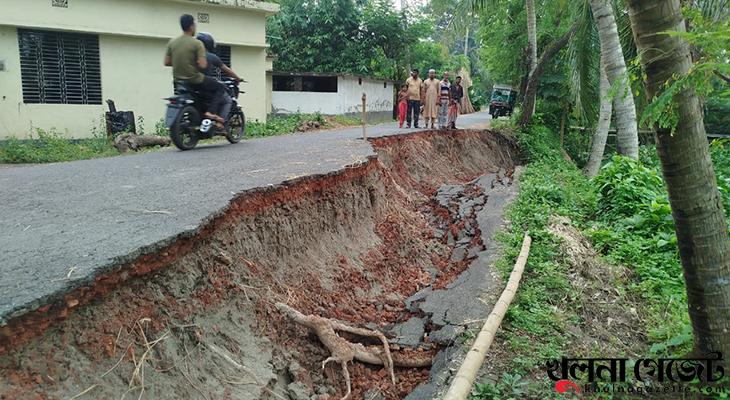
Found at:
(364, 123)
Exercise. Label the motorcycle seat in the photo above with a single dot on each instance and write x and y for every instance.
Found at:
(183, 87)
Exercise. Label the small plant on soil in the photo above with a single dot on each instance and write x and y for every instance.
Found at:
(509, 387)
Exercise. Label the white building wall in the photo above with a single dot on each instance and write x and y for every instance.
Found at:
(379, 95)
(347, 100)
(306, 102)
(146, 18)
(132, 39)
(250, 64)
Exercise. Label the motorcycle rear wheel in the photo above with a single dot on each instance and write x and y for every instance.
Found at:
(236, 127)
(184, 131)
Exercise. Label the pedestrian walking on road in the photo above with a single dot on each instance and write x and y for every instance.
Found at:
(402, 104)
(444, 100)
(415, 94)
(432, 87)
(457, 94)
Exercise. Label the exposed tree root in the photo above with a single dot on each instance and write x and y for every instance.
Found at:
(343, 351)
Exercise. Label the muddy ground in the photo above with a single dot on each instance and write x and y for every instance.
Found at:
(401, 243)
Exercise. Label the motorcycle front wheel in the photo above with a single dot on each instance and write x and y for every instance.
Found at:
(236, 127)
(184, 132)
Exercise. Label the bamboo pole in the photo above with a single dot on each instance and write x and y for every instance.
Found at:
(464, 379)
(364, 117)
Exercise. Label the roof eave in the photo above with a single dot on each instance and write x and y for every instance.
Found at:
(249, 5)
(330, 74)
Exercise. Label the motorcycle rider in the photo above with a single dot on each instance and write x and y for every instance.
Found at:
(187, 57)
(213, 62)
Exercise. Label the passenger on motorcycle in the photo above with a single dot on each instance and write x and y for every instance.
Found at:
(187, 57)
(213, 62)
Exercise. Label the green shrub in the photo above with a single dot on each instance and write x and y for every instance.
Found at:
(720, 151)
(634, 227)
(625, 186)
(717, 115)
(275, 125)
(51, 146)
(540, 143)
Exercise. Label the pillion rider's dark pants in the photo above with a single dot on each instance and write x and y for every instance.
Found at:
(215, 92)
(414, 110)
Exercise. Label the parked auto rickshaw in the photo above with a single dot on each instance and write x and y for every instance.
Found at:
(503, 101)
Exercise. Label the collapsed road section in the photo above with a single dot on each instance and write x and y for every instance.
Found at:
(400, 244)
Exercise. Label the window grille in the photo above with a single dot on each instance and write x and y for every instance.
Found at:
(224, 52)
(59, 67)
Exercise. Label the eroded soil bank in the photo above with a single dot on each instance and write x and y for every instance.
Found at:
(389, 244)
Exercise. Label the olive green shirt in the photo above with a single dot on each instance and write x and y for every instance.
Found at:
(185, 51)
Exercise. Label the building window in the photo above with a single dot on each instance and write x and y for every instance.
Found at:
(59, 67)
(318, 84)
(224, 52)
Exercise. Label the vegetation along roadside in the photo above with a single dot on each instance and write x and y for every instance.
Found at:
(52, 146)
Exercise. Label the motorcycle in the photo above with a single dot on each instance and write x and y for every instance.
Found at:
(185, 111)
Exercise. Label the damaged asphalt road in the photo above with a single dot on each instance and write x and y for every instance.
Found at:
(462, 304)
(61, 225)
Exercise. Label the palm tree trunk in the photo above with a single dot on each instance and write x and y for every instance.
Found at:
(528, 105)
(627, 137)
(531, 40)
(531, 32)
(466, 42)
(598, 143)
(699, 219)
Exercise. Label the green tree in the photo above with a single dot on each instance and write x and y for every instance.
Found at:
(321, 36)
(701, 228)
(356, 36)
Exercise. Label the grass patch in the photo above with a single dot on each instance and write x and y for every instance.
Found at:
(51, 146)
(626, 215)
(286, 124)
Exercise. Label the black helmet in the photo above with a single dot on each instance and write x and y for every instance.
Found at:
(207, 40)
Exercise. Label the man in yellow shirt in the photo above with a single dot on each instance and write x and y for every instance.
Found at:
(415, 93)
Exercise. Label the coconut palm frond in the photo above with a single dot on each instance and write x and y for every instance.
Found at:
(584, 54)
(713, 10)
(463, 12)
(626, 35)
